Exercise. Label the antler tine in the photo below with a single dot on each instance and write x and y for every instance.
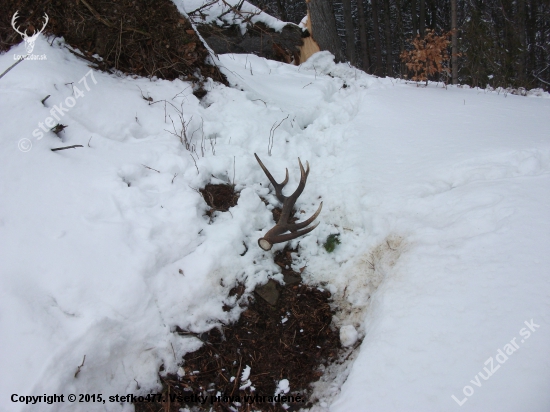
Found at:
(13, 19)
(293, 227)
(276, 234)
(289, 201)
(289, 236)
(303, 179)
(278, 186)
(47, 19)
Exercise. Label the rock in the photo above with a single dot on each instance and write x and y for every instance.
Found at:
(268, 292)
(291, 278)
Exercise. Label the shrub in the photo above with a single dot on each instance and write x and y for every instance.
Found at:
(429, 56)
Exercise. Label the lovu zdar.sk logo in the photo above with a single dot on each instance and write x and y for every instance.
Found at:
(29, 40)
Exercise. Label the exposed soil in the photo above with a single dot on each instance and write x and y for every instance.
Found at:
(284, 333)
(219, 197)
(277, 215)
(146, 37)
(284, 260)
(274, 348)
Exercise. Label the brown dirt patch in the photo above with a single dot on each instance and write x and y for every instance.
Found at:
(276, 212)
(219, 197)
(284, 260)
(293, 350)
(147, 38)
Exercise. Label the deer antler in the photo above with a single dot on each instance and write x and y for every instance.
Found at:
(47, 19)
(25, 35)
(276, 234)
(13, 19)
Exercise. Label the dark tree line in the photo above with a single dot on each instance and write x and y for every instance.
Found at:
(498, 42)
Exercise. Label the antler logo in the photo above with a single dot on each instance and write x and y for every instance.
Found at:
(29, 40)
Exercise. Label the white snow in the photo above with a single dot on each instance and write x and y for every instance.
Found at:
(440, 195)
(227, 13)
(246, 374)
(247, 383)
(348, 335)
(283, 386)
(303, 22)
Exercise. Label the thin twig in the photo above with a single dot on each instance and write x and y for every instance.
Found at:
(150, 168)
(194, 161)
(66, 147)
(80, 367)
(202, 7)
(272, 135)
(173, 351)
(237, 377)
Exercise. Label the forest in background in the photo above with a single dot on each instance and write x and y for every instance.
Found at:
(500, 43)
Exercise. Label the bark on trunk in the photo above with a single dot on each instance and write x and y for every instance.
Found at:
(414, 18)
(531, 34)
(387, 29)
(454, 43)
(523, 40)
(350, 31)
(363, 36)
(323, 27)
(377, 43)
(433, 13)
(400, 33)
(422, 23)
(281, 7)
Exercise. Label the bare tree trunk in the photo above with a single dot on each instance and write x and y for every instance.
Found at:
(323, 27)
(377, 42)
(387, 29)
(454, 43)
(433, 20)
(414, 18)
(400, 33)
(523, 41)
(350, 31)
(531, 36)
(422, 25)
(363, 36)
(281, 8)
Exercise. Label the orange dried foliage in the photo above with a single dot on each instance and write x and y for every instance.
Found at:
(429, 55)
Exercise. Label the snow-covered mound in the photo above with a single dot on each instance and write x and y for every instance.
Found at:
(227, 12)
(440, 197)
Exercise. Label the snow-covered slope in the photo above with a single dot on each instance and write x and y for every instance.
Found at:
(441, 197)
